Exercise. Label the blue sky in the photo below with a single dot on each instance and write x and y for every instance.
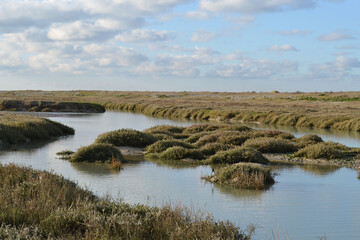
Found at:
(204, 45)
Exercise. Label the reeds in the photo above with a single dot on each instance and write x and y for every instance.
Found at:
(41, 205)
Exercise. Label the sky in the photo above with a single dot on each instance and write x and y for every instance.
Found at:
(180, 45)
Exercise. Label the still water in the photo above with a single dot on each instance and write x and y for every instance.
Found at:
(306, 202)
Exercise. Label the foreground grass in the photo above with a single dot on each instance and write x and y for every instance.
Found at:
(19, 129)
(41, 205)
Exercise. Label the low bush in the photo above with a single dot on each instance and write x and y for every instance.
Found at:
(212, 148)
(223, 137)
(196, 136)
(236, 155)
(309, 139)
(126, 137)
(202, 128)
(178, 153)
(173, 131)
(162, 145)
(320, 150)
(271, 145)
(243, 175)
(97, 152)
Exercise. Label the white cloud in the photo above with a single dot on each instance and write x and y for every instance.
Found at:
(202, 35)
(249, 68)
(282, 48)
(335, 36)
(200, 15)
(295, 32)
(144, 35)
(341, 64)
(254, 6)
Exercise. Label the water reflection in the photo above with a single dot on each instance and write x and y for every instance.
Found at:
(244, 194)
(94, 169)
(321, 170)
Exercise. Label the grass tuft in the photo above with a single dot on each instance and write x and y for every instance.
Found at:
(271, 145)
(97, 152)
(326, 150)
(243, 175)
(126, 137)
(178, 153)
(236, 155)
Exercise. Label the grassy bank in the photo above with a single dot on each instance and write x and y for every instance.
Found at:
(19, 129)
(333, 110)
(46, 106)
(41, 205)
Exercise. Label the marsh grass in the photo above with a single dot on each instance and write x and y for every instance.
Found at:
(41, 205)
(97, 152)
(271, 145)
(171, 131)
(126, 137)
(162, 145)
(47, 106)
(309, 139)
(240, 154)
(322, 111)
(19, 129)
(326, 150)
(65, 155)
(178, 153)
(212, 148)
(243, 175)
(115, 163)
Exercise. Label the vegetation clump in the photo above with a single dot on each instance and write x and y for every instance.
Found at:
(240, 154)
(271, 145)
(162, 145)
(172, 131)
(19, 129)
(47, 106)
(65, 155)
(126, 137)
(309, 139)
(178, 153)
(212, 148)
(327, 150)
(97, 152)
(243, 175)
(41, 205)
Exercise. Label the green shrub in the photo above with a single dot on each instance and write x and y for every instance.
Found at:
(126, 137)
(271, 145)
(212, 148)
(309, 139)
(178, 153)
(320, 150)
(97, 152)
(270, 133)
(243, 175)
(162, 145)
(240, 154)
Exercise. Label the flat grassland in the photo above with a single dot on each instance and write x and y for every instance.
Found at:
(335, 110)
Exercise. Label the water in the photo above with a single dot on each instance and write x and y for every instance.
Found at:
(306, 202)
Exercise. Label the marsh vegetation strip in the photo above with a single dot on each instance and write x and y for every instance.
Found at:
(328, 110)
(306, 201)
